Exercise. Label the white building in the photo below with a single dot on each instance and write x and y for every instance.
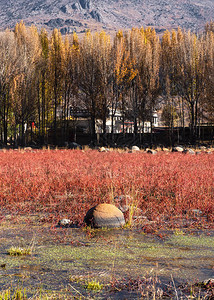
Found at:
(128, 125)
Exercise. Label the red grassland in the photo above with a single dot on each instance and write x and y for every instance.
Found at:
(65, 184)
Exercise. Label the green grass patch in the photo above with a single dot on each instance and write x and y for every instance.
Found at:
(17, 251)
(19, 294)
(94, 285)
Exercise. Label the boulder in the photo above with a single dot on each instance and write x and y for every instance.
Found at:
(135, 148)
(74, 145)
(191, 151)
(67, 223)
(64, 223)
(104, 215)
(151, 151)
(28, 149)
(202, 148)
(103, 149)
(178, 149)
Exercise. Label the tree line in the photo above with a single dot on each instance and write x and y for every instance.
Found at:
(43, 75)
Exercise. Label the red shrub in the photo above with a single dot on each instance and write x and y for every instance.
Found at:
(67, 183)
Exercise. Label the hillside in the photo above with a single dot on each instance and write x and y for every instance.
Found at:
(110, 15)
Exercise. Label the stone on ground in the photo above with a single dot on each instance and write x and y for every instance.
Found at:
(104, 215)
(178, 149)
(151, 151)
(64, 223)
(74, 145)
(135, 148)
(103, 149)
(191, 151)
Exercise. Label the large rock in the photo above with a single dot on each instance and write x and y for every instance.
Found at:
(178, 149)
(191, 151)
(103, 149)
(135, 148)
(104, 215)
(64, 223)
(202, 148)
(151, 151)
(74, 145)
(67, 223)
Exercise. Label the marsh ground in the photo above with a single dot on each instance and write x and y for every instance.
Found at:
(128, 263)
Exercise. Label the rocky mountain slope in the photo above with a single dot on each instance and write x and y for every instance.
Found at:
(110, 15)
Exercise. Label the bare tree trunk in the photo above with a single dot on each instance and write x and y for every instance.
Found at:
(105, 112)
(43, 109)
(39, 114)
(5, 114)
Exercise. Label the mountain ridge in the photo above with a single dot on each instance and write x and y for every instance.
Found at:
(108, 15)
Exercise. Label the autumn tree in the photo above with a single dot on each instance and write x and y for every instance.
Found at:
(145, 54)
(190, 79)
(8, 69)
(208, 94)
(121, 74)
(209, 27)
(89, 77)
(105, 66)
(70, 83)
(56, 67)
(133, 67)
(168, 80)
(42, 86)
(27, 51)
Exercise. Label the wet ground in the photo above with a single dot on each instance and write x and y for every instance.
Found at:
(124, 261)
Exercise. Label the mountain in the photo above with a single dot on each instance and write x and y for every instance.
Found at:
(110, 15)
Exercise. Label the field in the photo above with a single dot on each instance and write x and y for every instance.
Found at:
(65, 184)
(165, 250)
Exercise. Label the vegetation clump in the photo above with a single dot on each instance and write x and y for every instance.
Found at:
(94, 285)
(18, 251)
(18, 294)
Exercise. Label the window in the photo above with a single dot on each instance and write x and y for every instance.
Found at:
(155, 120)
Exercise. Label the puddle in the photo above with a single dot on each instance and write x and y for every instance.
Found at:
(63, 258)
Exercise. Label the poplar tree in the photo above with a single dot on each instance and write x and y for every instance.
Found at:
(43, 87)
(121, 76)
(28, 51)
(208, 94)
(8, 60)
(56, 67)
(89, 77)
(105, 67)
(190, 80)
